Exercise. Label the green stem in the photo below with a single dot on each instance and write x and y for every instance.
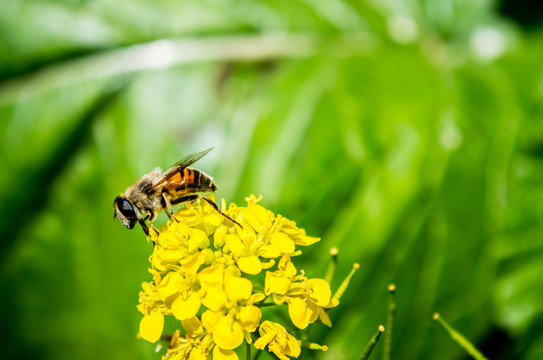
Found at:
(248, 347)
(390, 322)
(367, 352)
(460, 339)
(313, 346)
(339, 292)
(332, 266)
(258, 353)
(266, 305)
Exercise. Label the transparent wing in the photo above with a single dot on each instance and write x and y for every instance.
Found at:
(179, 166)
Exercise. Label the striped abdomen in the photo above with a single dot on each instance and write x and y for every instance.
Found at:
(189, 181)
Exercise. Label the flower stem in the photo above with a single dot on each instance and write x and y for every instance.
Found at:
(257, 355)
(266, 305)
(367, 352)
(390, 322)
(248, 347)
(332, 266)
(339, 292)
(313, 346)
(460, 339)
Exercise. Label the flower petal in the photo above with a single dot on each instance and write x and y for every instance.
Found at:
(169, 285)
(215, 297)
(151, 326)
(250, 264)
(249, 317)
(212, 275)
(220, 354)
(191, 263)
(233, 243)
(299, 313)
(264, 340)
(228, 333)
(192, 326)
(185, 309)
(306, 240)
(324, 318)
(294, 349)
(198, 353)
(320, 291)
(210, 319)
(238, 288)
(259, 218)
(197, 238)
(276, 283)
(269, 252)
(286, 265)
(218, 236)
(283, 243)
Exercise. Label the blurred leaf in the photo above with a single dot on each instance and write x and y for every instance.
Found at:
(408, 134)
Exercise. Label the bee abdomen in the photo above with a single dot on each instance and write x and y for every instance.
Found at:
(194, 180)
(207, 182)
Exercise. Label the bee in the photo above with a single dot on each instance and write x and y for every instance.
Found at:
(158, 191)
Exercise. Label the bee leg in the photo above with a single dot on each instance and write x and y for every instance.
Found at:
(144, 226)
(190, 198)
(168, 206)
(150, 217)
(193, 198)
(212, 203)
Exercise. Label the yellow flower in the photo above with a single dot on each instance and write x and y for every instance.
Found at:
(307, 302)
(204, 274)
(263, 235)
(306, 298)
(279, 281)
(278, 340)
(229, 330)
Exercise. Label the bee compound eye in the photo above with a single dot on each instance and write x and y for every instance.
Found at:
(127, 209)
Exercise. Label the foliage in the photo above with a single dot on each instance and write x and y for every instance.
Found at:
(407, 134)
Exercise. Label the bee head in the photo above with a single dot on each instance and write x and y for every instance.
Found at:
(125, 211)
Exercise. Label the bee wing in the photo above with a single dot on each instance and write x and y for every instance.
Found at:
(186, 162)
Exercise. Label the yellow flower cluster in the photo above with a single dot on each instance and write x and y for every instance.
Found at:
(206, 272)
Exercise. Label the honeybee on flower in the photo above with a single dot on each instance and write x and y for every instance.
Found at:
(157, 190)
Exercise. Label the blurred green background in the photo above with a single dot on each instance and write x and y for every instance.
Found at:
(409, 134)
